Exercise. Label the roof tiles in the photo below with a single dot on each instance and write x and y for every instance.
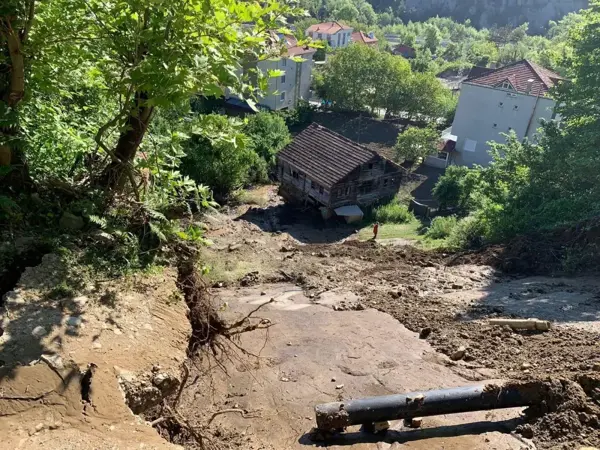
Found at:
(326, 157)
(327, 27)
(519, 74)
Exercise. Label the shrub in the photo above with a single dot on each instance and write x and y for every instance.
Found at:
(441, 227)
(467, 233)
(393, 212)
(455, 186)
(267, 133)
(222, 163)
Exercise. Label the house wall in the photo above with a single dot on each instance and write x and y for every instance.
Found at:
(302, 187)
(335, 40)
(296, 83)
(483, 113)
(384, 181)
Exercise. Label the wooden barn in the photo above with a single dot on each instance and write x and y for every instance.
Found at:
(329, 170)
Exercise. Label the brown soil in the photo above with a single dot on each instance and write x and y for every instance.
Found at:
(438, 294)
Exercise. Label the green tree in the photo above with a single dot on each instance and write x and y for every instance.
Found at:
(267, 133)
(156, 55)
(416, 143)
(16, 21)
(385, 19)
(360, 77)
(218, 154)
(432, 39)
(455, 187)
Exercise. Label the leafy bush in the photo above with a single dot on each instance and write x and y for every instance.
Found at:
(218, 155)
(468, 233)
(267, 133)
(441, 227)
(393, 212)
(455, 186)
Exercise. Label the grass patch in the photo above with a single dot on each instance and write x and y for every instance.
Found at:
(441, 227)
(256, 197)
(393, 212)
(412, 231)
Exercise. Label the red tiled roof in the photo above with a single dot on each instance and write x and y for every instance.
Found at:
(362, 38)
(327, 27)
(325, 156)
(518, 74)
(300, 50)
(291, 45)
(404, 50)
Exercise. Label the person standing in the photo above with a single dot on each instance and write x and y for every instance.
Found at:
(375, 230)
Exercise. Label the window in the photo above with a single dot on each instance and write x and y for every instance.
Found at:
(501, 105)
(295, 174)
(321, 190)
(339, 37)
(509, 128)
(282, 79)
(340, 192)
(469, 145)
(348, 190)
(516, 107)
(284, 62)
(313, 185)
(385, 182)
(371, 166)
(495, 125)
(282, 97)
(443, 156)
(320, 36)
(506, 85)
(366, 187)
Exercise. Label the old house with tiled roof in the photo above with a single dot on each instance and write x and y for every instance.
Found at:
(324, 168)
(515, 98)
(336, 34)
(358, 37)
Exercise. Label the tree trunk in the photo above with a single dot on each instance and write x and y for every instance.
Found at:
(115, 174)
(12, 94)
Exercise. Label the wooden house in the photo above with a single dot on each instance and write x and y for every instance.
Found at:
(326, 169)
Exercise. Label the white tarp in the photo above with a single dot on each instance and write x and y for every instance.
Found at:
(350, 210)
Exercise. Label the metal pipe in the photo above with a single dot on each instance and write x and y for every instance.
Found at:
(337, 415)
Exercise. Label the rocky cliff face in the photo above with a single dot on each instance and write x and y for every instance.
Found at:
(486, 13)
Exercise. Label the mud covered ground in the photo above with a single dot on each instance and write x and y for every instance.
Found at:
(446, 299)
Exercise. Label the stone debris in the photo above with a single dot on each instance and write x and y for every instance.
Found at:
(39, 332)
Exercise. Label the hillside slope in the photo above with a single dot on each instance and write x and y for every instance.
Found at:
(486, 13)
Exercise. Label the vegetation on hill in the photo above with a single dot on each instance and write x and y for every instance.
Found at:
(532, 186)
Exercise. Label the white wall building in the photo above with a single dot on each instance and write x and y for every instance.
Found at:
(285, 91)
(511, 98)
(337, 35)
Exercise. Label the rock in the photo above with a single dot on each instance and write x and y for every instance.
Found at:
(39, 427)
(284, 379)
(525, 365)
(70, 222)
(263, 293)
(457, 286)
(415, 422)
(74, 321)
(117, 332)
(596, 367)
(424, 333)
(340, 386)
(39, 331)
(233, 247)
(333, 380)
(165, 382)
(380, 426)
(103, 237)
(54, 361)
(525, 430)
(96, 345)
(458, 354)
(80, 300)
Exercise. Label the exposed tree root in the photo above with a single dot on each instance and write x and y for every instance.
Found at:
(211, 335)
